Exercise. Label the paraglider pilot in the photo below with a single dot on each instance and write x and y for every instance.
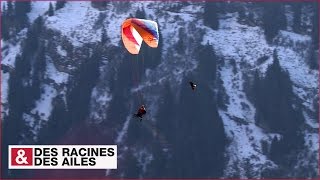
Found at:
(141, 111)
(193, 86)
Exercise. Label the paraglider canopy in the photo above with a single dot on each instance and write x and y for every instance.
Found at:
(135, 30)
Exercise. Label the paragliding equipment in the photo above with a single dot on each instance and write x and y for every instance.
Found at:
(193, 86)
(141, 111)
(133, 32)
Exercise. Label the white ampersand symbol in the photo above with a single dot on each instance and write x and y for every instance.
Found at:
(20, 159)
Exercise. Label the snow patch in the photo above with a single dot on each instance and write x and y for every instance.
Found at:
(246, 141)
(4, 87)
(299, 72)
(311, 122)
(76, 22)
(123, 131)
(32, 123)
(239, 122)
(9, 53)
(144, 158)
(306, 95)
(44, 105)
(238, 42)
(38, 8)
(3, 3)
(238, 106)
(57, 76)
(294, 36)
(102, 100)
(4, 93)
(61, 51)
(312, 141)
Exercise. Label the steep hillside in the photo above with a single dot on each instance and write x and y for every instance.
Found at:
(67, 79)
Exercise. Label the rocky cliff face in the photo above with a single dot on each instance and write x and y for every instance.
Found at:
(254, 114)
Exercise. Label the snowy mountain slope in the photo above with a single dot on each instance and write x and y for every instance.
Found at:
(239, 46)
(80, 25)
(39, 9)
(10, 50)
(54, 78)
(245, 45)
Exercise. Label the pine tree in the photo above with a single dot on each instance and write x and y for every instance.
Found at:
(39, 68)
(296, 17)
(60, 4)
(10, 10)
(15, 127)
(273, 101)
(7, 23)
(274, 20)
(198, 117)
(57, 124)
(104, 36)
(157, 167)
(20, 13)
(120, 85)
(166, 113)
(315, 25)
(33, 34)
(275, 92)
(4, 24)
(99, 4)
(210, 15)
(16, 101)
(22, 8)
(242, 14)
(257, 96)
(181, 44)
(275, 150)
(132, 168)
(21, 95)
(50, 11)
(313, 59)
(141, 14)
(29, 53)
(207, 63)
(78, 98)
(251, 18)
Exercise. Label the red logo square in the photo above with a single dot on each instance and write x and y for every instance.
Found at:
(21, 157)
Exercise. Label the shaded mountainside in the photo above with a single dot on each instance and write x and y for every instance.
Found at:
(67, 79)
